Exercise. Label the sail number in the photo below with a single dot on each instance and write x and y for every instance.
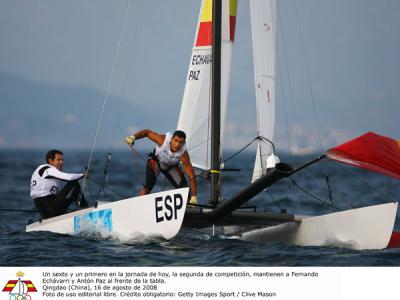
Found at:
(167, 207)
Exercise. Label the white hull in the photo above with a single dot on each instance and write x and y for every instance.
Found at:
(362, 228)
(154, 215)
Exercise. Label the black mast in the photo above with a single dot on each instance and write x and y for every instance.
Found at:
(216, 102)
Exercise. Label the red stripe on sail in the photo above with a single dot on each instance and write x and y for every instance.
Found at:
(204, 36)
(370, 151)
(232, 26)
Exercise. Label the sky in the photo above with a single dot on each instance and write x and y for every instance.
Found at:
(337, 71)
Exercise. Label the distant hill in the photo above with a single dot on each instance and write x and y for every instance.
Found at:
(41, 115)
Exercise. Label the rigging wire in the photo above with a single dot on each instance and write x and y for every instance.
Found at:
(308, 76)
(108, 189)
(105, 176)
(290, 95)
(294, 183)
(290, 86)
(387, 197)
(106, 95)
(222, 161)
(233, 155)
(316, 115)
(274, 199)
(308, 80)
(117, 127)
(286, 116)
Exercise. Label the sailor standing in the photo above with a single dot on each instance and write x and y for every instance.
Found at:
(47, 191)
(170, 150)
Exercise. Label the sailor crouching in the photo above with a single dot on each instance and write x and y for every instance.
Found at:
(170, 150)
(47, 191)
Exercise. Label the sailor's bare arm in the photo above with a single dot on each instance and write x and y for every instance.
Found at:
(187, 165)
(151, 135)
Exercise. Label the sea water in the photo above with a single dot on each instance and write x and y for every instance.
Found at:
(347, 186)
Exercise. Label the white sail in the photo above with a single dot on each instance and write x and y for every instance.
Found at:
(263, 20)
(194, 117)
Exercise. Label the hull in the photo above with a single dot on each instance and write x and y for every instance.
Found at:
(157, 215)
(363, 228)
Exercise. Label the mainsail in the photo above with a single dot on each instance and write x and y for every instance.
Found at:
(263, 20)
(194, 117)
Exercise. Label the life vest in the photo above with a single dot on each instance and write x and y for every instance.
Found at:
(47, 180)
(165, 156)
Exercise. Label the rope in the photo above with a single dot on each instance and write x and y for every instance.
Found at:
(134, 152)
(106, 95)
(138, 154)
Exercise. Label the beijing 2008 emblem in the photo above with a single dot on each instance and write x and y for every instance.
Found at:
(19, 289)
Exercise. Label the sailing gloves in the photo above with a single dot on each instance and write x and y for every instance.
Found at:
(130, 140)
(193, 200)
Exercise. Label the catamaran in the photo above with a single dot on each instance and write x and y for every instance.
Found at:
(202, 117)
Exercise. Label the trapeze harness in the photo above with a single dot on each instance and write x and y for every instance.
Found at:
(163, 160)
(50, 199)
